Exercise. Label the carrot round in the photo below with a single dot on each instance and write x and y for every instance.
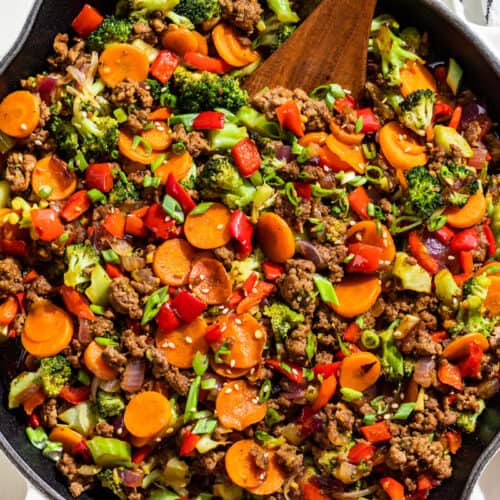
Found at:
(325, 393)
(209, 281)
(275, 237)
(459, 347)
(400, 147)
(230, 48)
(182, 40)
(19, 114)
(275, 477)
(489, 264)
(120, 61)
(147, 414)
(348, 156)
(356, 295)
(172, 262)
(226, 371)
(47, 331)
(159, 137)
(345, 137)
(372, 234)
(177, 165)
(470, 214)
(415, 76)
(138, 154)
(210, 229)
(66, 436)
(181, 345)
(492, 301)
(240, 464)
(247, 337)
(359, 371)
(318, 138)
(92, 357)
(53, 174)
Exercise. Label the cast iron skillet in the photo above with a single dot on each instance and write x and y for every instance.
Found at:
(28, 55)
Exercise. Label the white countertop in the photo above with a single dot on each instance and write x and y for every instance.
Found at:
(14, 486)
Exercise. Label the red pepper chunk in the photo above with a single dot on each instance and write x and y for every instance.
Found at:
(213, 334)
(370, 120)
(450, 375)
(358, 201)
(176, 191)
(289, 118)
(75, 395)
(312, 492)
(272, 271)
(99, 176)
(114, 223)
(303, 190)
(8, 310)
(442, 110)
(241, 230)
(209, 120)
(425, 482)
(82, 451)
(76, 303)
(376, 433)
(465, 240)
(343, 103)
(326, 370)
(361, 452)
(17, 248)
(156, 223)
(206, 63)
(164, 65)
(444, 234)
(188, 445)
(134, 225)
(87, 21)
(352, 333)
(454, 439)
(112, 270)
(78, 203)
(47, 224)
(420, 252)
(290, 370)
(167, 318)
(393, 488)
(470, 366)
(366, 258)
(187, 306)
(246, 157)
(259, 292)
(467, 262)
(141, 454)
(490, 238)
(456, 117)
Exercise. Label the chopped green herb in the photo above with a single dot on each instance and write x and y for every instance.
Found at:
(325, 289)
(153, 304)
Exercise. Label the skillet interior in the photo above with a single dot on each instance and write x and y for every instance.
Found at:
(28, 56)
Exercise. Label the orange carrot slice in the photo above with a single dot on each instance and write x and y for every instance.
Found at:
(120, 61)
(92, 357)
(415, 76)
(345, 137)
(350, 155)
(459, 347)
(240, 464)
(318, 138)
(372, 234)
(177, 165)
(53, 174)
(19, 114)
(230, 48)
(182, 40)
(159, 137)
(226, 371)
(172, 262)
(66, 436)
(147, 414)
(210, 229)
(275, 477)
(138, 154)
(356, 295)
(209, 281)
(359, 371)
(275, 237)
(470, 214)
(492, 301)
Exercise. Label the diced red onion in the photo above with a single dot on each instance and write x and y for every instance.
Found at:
(424, 373)
(293, 390)
(309, 252)
(119, 426)
(355, 494)
(132, 262)
(46, 89)
(84, 335)
(437, 249)
(474, 111)
(478, 160)
(315, 161)
(121, 247)
(131, 478)
(284, 152)
(133, 376)
(110, 385)
(94, 386)
(488, 388)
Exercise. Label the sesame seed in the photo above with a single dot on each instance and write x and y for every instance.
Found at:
(160, 128)
(228, 390)
(252, 371)
(238, 321)
(451, 257)
(225, 310)
(232, 363)
(359, 236)
(262, 476)
(204, 290)
(223, 328)
(202, 276)
(38, 142)
(219, 226)
(119, 431)
(402, 395)
(258, 334)
(254, 289)
(255, 401)
(23, 126)
(387, 416)
(394, 405)
(171, 345)
(158, 439)
(236, 387)
(407, 149)
(189, 340)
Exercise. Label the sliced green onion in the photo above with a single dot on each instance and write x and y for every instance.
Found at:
(265, 391)
(120, 115)
(110, 256)
(45, 191)
(310, 346)
(200, 363)
(192, 399)
(148, 126)
(379, 405)
(301, 152)
(348, 258)
(6, 143)
(105, 341)
(370, 339)
(359, 125)
(222, 353)
(80, 162)
(83, 377)
(272, 417)
(151, 181)
(328, 93)
(369, 419)
(375, 175)
(63, 238)
(350, 394)
(178, 148)
(369, 151)
(201, 208)
(405, 223)
(159, 160)
(153, 304)
(205, 426)
(37, 437)
(325, 289)
(173, 208)
(201, 414)
(53, 451)
(137, 140)
(437, 221)
(404, 411)
(291, 194)
(96, 196)
(208, 384)
(96, 309)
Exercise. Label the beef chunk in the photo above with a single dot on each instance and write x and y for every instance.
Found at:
(124, 298)
(77, 483)
(144, 281)
(290, 458)
(433, 417)
(101, 327)
(104, 429)
(244, 14)
(160, 363)
(65, 55)
(296, 343)
(38, 290)
(130, 93)
(18, 170)
(113, 357)
(49, 413)
(209, 463)
(11, 279)
(177, 381)
(260, 456)
(136, 345)
(195, 141)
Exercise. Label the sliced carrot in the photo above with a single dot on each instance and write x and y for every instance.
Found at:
(92, 357)
(313, 138)
(8, 310)
(120, 61)
(459, 347)
(182, 40)
(209, 281)
(356, 295)
(147, 414)
(172, 262)
(19, 114)
(373, 234)
(181, 345)
(325, 393)
(492, 301)
(47, 331)
(159, 137)
(210, 229)
(345, 137)
(470, 214)
(350, 156)
(238, 406)
(415, 76)
(240, 464)
(275, 477)
(53, 174)
(489, 264)
(138, 154)
(34, 401)
(230, 48)
(359, 371)
(160, 114)
(66, 436)
(226, 371)
(177, 165)
(247, 337)
(275, 237)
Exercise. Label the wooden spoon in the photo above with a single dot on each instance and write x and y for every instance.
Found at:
(330, 46)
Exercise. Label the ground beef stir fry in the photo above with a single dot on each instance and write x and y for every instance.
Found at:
(282, 296)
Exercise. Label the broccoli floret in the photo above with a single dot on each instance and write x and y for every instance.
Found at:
(55, 373)
(477, 286)
(424, 192)
(220, 179)
(198, 91)
(110, 480)
(123, 190)
(112, 29)
(198, 11)
(161, 93)
(98, 137)
(109, 405)
(283, 319)
(393, 54)
(138, 9)
(417, 110)
(467, 421)
(275, 34)
(66, 137)
(242, 269)
(392, 360)
(80, 258)
(459, 183)
(283, 11)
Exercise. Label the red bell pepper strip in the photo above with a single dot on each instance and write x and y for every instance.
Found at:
(289, 118)
(490, 238)
(303, 190)
(290, 370)
(393, 488)
(75, 395)
(17, 248)
(249, 284)
(470, 366)
(425, 482)
(361, 452)
(260, 292)
(246, 157)
(164, 65)
(82, 451)
(167, 318)
(76, 303)
(213, 334)
(450, 375)
(358, 201)
(241, 230)
(467, 262)
(87, 21)
(189, 442)
(112, 270)
(465, 240)
(326, 370)
(370, 120)
(47, 224)
(309, 421)
(442, 110)
(454, 439)
(420, 252)
(187, 306)
(8, 310)
(135, 226)
(444, 234)
(156, 223)
(34, 421)
(99, 176)
(114, 223)
(343, 103)
(352, 333)
(312, 492)
(209, 120)
(78, 203)
(272, 271)
(440, 336)
(206, 63)
(366, 258)
(176, 191)
(141, 454)
(455, 117)
(376, 433)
